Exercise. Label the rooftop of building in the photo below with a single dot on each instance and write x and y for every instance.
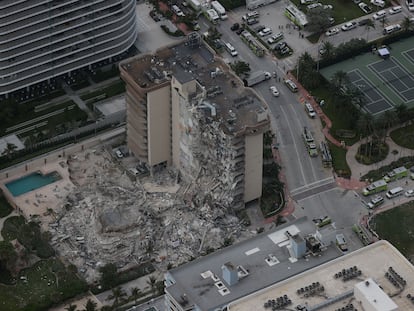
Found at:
(238, 108)
(305, 289)
(265, 258)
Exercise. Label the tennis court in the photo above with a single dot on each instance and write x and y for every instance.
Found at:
(385, 83)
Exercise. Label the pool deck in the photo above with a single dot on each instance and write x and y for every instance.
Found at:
(36, 203)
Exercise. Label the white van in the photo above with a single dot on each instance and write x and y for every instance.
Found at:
(291, 85)
(390, 29)
(177, 11)
(394, 192)
(309, 110)
(231, 49)
(250, 15)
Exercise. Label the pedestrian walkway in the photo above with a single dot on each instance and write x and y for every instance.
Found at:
(2, 220)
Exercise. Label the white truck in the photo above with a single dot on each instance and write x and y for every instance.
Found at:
(195, 5)
(212, 16)
(257, 77)
(221, 11)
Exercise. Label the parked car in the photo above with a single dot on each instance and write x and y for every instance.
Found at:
(365, 8)
(280, 46)
(314, 6)
(395, 10)
(265, 32)
(274, 38)
(348, 26)
(259, 28)
(274, 91)
(239, 31)
(363, 22)
(379, 15)
(252, 21)
(379, 3)
(332, 31)
(409, 193)
(250, 15)
(284, 51)
(235, 26)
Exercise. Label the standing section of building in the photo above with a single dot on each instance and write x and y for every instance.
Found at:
(43, 39)
(204, 122)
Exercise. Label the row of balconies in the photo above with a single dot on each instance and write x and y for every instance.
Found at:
(47, 11)
(12, 6)
(39, 29)
(10, 84)
(56, 53)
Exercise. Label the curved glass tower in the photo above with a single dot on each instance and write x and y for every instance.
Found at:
(42, 39)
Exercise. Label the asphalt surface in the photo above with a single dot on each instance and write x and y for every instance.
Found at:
(312, 186)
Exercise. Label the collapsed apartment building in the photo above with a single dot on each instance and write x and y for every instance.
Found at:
(186, 110)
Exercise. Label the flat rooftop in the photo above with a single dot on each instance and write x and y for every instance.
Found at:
(373, 261)
(265, 258)
(238, 108)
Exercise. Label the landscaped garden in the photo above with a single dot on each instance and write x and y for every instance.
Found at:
(31, 277)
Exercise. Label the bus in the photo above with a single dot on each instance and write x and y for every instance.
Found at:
(375, 187)
(296, 15)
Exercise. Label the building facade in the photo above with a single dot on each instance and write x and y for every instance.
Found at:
(42, 39)
(186, 110)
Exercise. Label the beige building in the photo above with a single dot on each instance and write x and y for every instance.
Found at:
(187, 110)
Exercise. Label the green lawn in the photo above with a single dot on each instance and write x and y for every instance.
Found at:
(342, 10)
(48, 282)
(339, 160)
(396, 226)
(111, 90)
(404, 136)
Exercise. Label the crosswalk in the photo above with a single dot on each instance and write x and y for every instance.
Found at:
(313, 188)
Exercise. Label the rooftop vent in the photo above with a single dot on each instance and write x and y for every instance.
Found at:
(230, 274)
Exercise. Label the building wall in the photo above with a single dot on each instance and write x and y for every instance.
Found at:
(159, 126)
(43, 39)
(253, 167)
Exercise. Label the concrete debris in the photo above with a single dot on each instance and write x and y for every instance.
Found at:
(111, 216)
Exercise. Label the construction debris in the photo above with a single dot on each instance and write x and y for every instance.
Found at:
(112, 216)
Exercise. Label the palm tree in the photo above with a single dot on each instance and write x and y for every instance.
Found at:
(328, 49)
(401, 111)
(10, 149)
(407, 24)
(117, 294)
(152, 281)
(339, 78)
(90, 305)
(71, 307)
(135, 293)
(370, 24)
(366, 127)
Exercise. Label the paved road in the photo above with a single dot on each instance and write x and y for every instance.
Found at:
(311, 185)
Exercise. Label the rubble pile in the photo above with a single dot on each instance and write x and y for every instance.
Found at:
(113, 217)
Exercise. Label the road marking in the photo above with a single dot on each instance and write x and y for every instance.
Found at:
(297, 119)
(252, 251)
(313, 195)
(321, 182)
(294, 142)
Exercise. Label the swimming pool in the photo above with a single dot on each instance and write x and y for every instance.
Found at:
(31, 182)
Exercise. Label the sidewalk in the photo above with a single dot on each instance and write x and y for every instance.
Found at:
(357, 168)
